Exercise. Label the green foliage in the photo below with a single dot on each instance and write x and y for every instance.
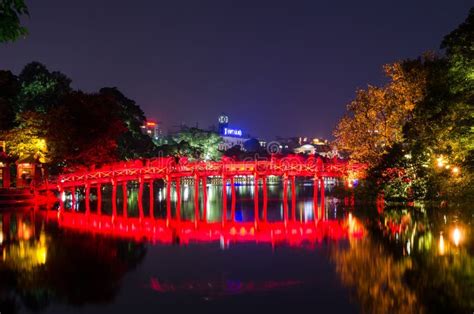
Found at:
(459, 45)
(197, 144)
(10, 26)
(41, 90)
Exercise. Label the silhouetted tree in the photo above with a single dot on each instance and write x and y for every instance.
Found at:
(132, 143)
(84, 129)
(9, 89)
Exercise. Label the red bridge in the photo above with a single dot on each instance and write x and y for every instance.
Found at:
(172, 173)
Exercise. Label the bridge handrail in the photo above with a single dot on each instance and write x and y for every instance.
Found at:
(163, 167)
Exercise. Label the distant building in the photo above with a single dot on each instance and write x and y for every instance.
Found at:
(231, 136)
(223, 123)
(287, 144)
(153, 129)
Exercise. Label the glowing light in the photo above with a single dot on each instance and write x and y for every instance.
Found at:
(440, 162)
(456, 236)
(232, 132)
(455, 170)
(441, 245)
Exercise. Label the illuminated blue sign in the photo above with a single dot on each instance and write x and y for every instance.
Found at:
(232, 132)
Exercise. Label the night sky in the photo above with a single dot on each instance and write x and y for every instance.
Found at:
(277, 68)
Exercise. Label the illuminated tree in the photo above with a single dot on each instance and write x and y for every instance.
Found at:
(41, 90)
(29, 138)
(202, 144)
(460, 52)
(460, 55)
(376, 116)
(10, 26)
(442, 126)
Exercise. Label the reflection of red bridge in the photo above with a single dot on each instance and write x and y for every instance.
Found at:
(167, 169)
(294, 233)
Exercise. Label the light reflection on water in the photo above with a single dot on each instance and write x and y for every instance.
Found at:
(402, 261)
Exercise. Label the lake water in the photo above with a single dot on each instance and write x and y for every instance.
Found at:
(334, 258)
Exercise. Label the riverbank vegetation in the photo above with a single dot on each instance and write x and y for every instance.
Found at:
(416, 133)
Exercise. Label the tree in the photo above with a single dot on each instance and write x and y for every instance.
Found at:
(9, 89)
(459, 49)
(460, 54)
(434, 159)
(203, 144)
(132, 143)
(376, 116)
(29, 138)
(10, 26)
(41, 90)
(84, 129)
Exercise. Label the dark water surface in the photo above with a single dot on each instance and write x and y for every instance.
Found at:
(344, 260)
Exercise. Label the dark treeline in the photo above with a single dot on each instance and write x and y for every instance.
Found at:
(44, 117)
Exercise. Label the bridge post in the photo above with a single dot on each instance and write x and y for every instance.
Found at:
(152, 200)
(168, 199)
(285, 198)
(196, 200)
(232, 208)
(265, 197)
(224, 200)
(323, 205)
(255, 198)
(204, 196)
(125, 199)
(99, 199)
(88, 198)
(293, 198)
(61, 196)
(315, 197)
(178, 198)
(140, 197)
(114, 199)
(73, 198)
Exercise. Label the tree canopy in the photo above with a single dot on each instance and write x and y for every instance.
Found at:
(198, 144)
(375, 117)
(10, 24)
(417, 132)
